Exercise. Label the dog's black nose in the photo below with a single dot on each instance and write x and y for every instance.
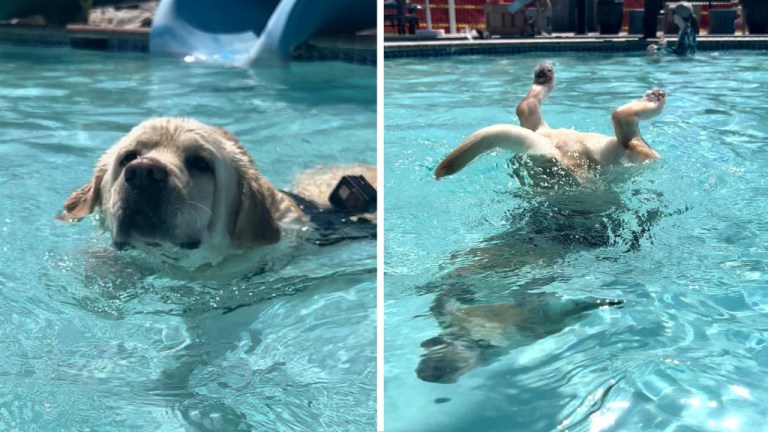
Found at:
(145, 173)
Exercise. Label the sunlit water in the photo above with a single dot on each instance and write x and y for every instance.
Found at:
(683, 241)
(90, 341)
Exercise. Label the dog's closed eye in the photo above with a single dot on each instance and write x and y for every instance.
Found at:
(128, 158)
(198, 163)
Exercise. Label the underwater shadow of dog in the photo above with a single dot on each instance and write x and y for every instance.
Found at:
(494, 298)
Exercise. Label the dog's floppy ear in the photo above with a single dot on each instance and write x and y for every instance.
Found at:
(253, 223)
(83, 201)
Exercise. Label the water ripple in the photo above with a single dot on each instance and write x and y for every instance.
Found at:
(681, 241)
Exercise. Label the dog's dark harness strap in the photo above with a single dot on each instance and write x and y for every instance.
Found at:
(333, 225)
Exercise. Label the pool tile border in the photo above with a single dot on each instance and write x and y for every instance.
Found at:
(77, 36)
(457, 47)
(359, 49)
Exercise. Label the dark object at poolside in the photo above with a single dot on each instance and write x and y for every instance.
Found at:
(610, 14)
(499, 22)
(56, 12)
(635, 25)
(669, 25)
(354, 194)
(757, 16)
(581, 17)
(650, 13)
(401, 15)
(722, 21)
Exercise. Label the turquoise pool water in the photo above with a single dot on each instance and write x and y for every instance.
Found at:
(510, 275)
(89, 342)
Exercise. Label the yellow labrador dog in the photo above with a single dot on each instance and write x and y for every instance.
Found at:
(577, 152)
(175, 185)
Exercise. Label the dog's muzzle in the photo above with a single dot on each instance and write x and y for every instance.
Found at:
(146, 175)
(145, 200)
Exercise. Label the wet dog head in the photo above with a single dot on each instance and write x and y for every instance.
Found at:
(175, 182)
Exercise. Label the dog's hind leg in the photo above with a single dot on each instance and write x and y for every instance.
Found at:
(626, 124)
(529, 109)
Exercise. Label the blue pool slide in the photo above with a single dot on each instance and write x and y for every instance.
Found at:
(248, 31)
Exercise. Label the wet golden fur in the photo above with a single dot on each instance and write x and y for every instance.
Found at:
(213, 198)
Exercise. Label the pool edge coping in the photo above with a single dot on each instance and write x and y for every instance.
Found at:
(357, 49)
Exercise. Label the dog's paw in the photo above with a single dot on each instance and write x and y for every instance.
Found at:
(544, 73)
(655, 95)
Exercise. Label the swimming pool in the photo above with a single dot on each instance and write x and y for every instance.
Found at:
(91, 343)
(494, 267)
